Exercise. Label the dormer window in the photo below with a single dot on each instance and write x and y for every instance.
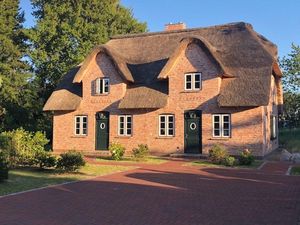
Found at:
(102, 86)
(192, 82)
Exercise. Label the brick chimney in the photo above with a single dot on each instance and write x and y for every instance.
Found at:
(175, 26)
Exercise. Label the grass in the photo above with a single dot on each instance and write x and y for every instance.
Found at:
(147, 160)
(290, 139)
(204, 163)
(295, 170)
(29, 178)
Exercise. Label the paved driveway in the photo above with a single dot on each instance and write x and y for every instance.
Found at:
(162, 194)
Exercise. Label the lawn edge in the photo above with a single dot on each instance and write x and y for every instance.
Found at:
(64, 183)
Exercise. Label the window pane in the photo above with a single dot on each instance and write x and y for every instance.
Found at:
(171, 132)
(84, 119)
(188, 78)
(84, 131)
(226, 125)
(128, 119)
(162, 131)
(188, 86)
(121, 131)
(216, 132)
(106, 85)
(162, 119)
(226, 133)
(77, 119)
(101, 86)
(226, 118)
(217, 125)
(171, 119)
(128, 131)
(77, 131)
(197, 85)
(216, 118)
(197, 77)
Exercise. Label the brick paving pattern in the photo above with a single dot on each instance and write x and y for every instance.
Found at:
(168, 194)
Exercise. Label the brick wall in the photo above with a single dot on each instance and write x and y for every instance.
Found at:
(247, 128)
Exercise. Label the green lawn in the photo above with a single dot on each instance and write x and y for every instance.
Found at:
(147, 160)
(204, 163)
(29, 178)
(290, 139)
(295, 170)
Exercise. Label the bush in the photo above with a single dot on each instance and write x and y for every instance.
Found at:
(229, 161)
(246, 158)
(141, 151)
(4, 165)
(70, 161)
(217, 154)
(22, 146)
(45, 159)
(117, 151)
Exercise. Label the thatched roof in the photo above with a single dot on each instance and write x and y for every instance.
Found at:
(246, 60)
(67, 95)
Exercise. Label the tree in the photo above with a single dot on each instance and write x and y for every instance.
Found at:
(66, 30)
(291, 86)
(13, 68)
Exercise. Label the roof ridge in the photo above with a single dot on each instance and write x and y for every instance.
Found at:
(234, 24)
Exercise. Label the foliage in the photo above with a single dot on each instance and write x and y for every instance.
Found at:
(291, 86)
(117, 151)
(64, 33)
(217, 154)
(141, 151)
(23, 145)
(4, 165)
(290, 139)
(14, 70)
(229, 161)
(246, 158)
(295, 170)
(70, 161)
(44, 159)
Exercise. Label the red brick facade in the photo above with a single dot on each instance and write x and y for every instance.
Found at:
(250, 127)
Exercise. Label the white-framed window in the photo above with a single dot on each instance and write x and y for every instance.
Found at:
(125, 125)
(192, 82)
(81, 124)
(166, 125)
(273, 127)
(221, 125)
(102, 86)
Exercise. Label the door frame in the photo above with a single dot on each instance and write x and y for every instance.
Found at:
(199, 115)
(96, 129)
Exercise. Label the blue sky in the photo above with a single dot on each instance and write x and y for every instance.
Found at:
(278, 20)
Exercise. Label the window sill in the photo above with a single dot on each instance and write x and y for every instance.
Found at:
(78, 136)
(104, 94)
(191, 91)
(165, 137)
(220, 138)
(123, 137)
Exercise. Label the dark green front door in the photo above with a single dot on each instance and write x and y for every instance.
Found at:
(102, 130)
(192, 132)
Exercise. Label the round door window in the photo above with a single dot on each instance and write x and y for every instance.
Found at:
(193, 126)
(102, 126)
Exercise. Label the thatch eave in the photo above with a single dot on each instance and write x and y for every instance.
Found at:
(184, 43)
(118, 61)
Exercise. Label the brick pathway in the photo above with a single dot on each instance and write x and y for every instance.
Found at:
(163, 194)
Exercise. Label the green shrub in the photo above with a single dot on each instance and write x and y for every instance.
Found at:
(246, 158)
(44, 159)
(217, 154)
(117, 151)
(4, 165)
(229, 161)
(22, 146)
(70, 161)
(141, 151)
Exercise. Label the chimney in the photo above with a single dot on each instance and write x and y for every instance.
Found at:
(175, 26)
